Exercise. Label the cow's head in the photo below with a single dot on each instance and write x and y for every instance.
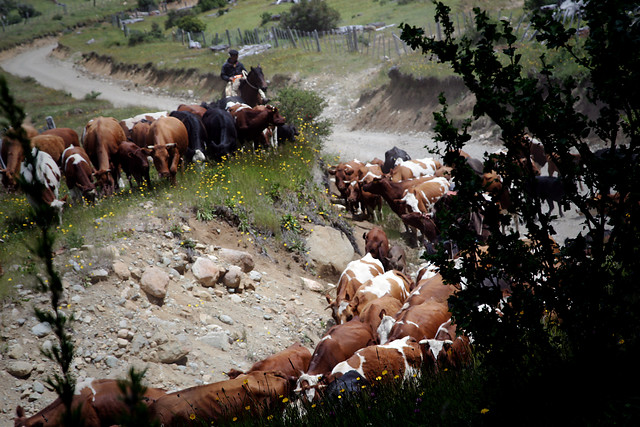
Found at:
(162, 156)
(274, 116)
(104, 180)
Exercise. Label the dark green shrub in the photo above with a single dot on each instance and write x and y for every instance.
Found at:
(303, 107)
(27, 11)
(156, 32)
(57, 17)
(265, 18)
(174, 16)
(147, 5)
(309, 15)
(191, 24)
(205, 5)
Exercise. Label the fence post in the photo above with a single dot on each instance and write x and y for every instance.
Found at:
(396, 43)
(458, 24)
(275, 36)
(429, 27)
(293, 42)
(50, 123)
(438, 30)
(204, 41)
(315, 36)
(228, 37)
(255, 33)
(125, 29)
(519, 23)
(240, 39)
(525, 32)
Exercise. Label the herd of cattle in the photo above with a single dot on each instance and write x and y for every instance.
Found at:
(388, 326)
(92, 164)
(418, 189)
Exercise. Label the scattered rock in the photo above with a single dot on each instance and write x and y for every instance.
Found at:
(121, 270)
(172, 352)
(312, 285)
(242, 259)
(206, 271)
(98, 275)
(111, 361)
(232, 277)
(226, 319)
(19, 369)
(155, 282)
(217, 339)
(16, 351)
(41, 329)
(38, 387)
(255, 275)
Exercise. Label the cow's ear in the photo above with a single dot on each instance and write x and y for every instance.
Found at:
(383, 313)
(19, 411)
(364, 235)
(332, 170)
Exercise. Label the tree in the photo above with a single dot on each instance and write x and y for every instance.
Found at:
(309, 15)
(191, 24)
(574, 307)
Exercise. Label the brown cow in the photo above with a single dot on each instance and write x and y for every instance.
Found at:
(247, 395)
(11, 156)
(420, 321)
(101, 400)
(375, 310)
(415, 168)
(393, 192)
(376, 243)
(384, 362)
(397, 259)
(192, 108)
(354, 276)
(391, 283)
(446, 349)
(357, 198)
(78, 170)
(101, 139)
(251, 122)
(338, 344)
(51, 144)
(139, 133)
(344, 173)
(167, 141)
(134, 163)
(69, 136)
(290, 362)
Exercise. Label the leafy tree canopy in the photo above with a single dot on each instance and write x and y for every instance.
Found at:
(569, 334)
(309, 15)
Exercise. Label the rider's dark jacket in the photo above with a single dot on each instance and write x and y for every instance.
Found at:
(229, 70)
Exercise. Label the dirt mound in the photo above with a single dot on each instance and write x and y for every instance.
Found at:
(408, 103)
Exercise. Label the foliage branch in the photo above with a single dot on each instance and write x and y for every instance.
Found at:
(572, 304)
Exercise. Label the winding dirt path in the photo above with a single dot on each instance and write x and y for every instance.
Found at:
(49, 71)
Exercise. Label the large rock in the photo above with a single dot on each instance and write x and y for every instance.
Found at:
(216, 339)
(173, 351)
(330, 250)
(121, 270)
(233, 277)
(206, 271)
(19, 369)
(155, 282)
(41, 329)
(239, 258)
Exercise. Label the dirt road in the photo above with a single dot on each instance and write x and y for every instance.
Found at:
(63, 75)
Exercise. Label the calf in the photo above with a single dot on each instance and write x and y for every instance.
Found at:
(134, 163)
(397, 259)
(101, 403)
(251, 122)
(248, 395)
(290, 362)
(338, 344)
(376, 243)
(286, 133)
(355, 275)
(550, 189)
(78, 171)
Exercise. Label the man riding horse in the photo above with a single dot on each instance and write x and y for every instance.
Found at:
(232, 72)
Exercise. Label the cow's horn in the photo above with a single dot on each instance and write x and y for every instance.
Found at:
(173, 144)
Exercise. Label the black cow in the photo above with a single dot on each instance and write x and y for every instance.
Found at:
(287, 133)
(198, 137)
(391, 156)
(222, 132)
(551, 189)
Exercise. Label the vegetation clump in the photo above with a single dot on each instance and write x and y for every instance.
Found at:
(309, 15)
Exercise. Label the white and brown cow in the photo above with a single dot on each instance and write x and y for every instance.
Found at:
(78, 171)
(47, 173)
(352, 278)
(415, 168)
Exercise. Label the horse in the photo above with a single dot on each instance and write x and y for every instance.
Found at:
(250, 86)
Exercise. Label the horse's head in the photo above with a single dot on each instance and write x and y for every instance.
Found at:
(256, 78)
